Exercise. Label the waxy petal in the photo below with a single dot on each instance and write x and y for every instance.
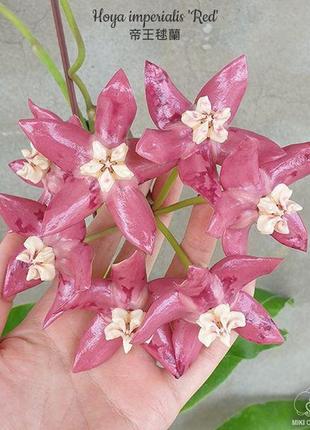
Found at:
(227, 87)
(166, 146)
(133, 215)
(23, 216)
(200, 174)
(41, 113)
(186, 344)
(297, 237)
(142, 168)
(167, 308)
(116, 110)
(267, 149)
(77, 199)
(70, 297)
(260, 328)
(161, 349)
(236, 272)
(63, 143)
(293, 166)
(130, 274)
(165, 102)
(233, 176)
(235, 241)
(94, 349)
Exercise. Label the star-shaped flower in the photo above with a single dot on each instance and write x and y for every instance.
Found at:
(189, 134)
(103, 167)
(210, 304)
(120, 303)
(258, 193)
(43, 257)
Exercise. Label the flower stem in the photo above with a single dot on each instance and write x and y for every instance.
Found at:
(90, 108)
(37, 48)
(193, 201)
(173, 242)
(100, 234)
(165, 189)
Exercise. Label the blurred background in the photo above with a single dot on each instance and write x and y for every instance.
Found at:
(275, 37)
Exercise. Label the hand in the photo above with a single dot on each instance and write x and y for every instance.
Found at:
(37, 387)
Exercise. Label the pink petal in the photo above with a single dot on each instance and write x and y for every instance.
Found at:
(142, 168)
(260, 328)
(166, 146)
(78, 265)
(161, 286)
(23, 216)
(233, 176)
(200, 174)
(186, 344)
(297, 237)
(227, 87)
(75, 232)
(132, 214)
(17, 165)
(42, 114)
(75, 120)
(165, 102)
(235, 241)
(161, 349)
(77, 199)
(130, 274)
(15, 278)
(116, 110)
(63, 143)
(293, 166)
(167, 308)
(94, 349)
(236, 272)
(267, 149)
(69, 297)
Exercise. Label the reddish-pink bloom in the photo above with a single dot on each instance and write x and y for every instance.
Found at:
(43, 257)
(255, 190)
(190, 134)
(210, 304)
(104, 166)
(37, 170)
(120, 303)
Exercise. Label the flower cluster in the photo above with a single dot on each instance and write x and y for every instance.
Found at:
(244, 176)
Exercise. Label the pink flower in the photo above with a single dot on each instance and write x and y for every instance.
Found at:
(43, 257)
(259, 193)
(120, 303)
(104, 166)
(210, 304)
(37, 170)
(190, 134)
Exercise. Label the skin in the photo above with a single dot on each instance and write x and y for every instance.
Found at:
(38, 389)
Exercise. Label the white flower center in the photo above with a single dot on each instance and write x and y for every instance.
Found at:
(107, 165)
(123, 325)
(273, 207)
(35, 166)
(218, 323)
(207, 123)
(41, 259)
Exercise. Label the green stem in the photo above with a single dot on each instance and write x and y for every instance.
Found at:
(100, 234)
(173, 242)
(193, 201)
(90, 108)
(37, 48)
(165, 189)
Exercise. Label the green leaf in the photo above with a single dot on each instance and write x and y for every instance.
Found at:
(16, 316)
(242, 349)
(275, 415)
(223, 370)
